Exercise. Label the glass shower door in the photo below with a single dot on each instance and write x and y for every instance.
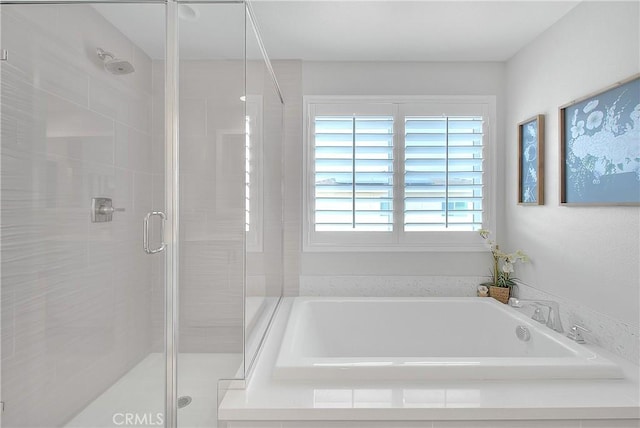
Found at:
(82, 164)
(212, 204)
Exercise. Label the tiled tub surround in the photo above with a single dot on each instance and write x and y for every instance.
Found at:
(75, 295)
(389, 285)
(614, 336)
(271, 402)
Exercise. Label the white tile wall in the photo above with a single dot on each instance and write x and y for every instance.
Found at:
(76, 295)
(399, 286)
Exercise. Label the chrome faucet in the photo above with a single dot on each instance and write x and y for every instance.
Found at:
(553, 320)
(575, 333)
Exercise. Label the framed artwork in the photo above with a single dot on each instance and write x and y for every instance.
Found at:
(531, 161)
(600, 147)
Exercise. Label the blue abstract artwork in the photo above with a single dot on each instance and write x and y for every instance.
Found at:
(530, 151)
(601, 140)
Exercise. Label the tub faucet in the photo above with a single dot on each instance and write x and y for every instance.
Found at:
(553, 320)
(575, 333)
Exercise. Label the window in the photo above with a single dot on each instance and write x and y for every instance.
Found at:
(384, 174)
(443, 173)
(353, 173)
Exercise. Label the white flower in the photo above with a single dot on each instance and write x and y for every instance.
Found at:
(530, 153)
(531, 129)
(522, 256)
(577, 129)
(607, 147)
(595, 119)
(590, 106)
(507, 267)
(484, 233)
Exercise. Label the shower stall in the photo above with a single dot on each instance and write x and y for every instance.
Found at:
(141, 209)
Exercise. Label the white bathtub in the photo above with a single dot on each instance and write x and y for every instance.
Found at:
(426, 338)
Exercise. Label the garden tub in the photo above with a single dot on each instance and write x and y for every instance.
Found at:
(427, 338)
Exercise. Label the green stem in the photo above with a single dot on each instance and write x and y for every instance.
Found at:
(495, 267)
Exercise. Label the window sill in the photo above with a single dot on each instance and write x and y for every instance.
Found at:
(346, 248)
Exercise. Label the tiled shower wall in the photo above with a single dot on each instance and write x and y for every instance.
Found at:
(75, 294)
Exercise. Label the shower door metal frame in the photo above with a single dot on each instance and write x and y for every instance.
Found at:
(171, 189)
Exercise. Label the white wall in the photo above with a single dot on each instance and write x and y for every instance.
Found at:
(588, 256)
(394, 78)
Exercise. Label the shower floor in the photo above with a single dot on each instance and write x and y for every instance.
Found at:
(141, 392)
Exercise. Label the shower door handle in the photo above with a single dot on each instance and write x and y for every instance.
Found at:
(145, 232)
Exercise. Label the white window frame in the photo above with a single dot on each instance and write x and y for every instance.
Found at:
(398, 240)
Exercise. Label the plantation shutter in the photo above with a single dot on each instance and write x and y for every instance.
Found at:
(443, 181)
(353, 167)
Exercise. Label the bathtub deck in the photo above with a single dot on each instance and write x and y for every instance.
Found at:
(270, 399)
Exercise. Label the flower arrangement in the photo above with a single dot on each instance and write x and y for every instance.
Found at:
(502, 263)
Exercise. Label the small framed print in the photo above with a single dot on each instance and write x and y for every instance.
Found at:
(600, 147)
(531, 161)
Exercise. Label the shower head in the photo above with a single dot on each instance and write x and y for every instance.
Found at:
(118, 66)
(114, 65)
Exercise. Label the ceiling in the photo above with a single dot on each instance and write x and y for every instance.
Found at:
(355, 30)
(404, 30)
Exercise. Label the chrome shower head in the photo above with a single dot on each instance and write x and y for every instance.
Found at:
(114, 65)
(118, 66)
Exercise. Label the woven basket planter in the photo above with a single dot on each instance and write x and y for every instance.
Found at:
(501, 294)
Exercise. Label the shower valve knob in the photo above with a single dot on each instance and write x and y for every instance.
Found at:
(109, 210)
(102, 210)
